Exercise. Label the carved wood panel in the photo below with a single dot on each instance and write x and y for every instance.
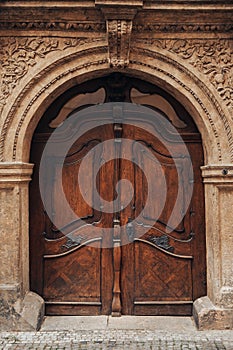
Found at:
(167, 277)
(73, 278)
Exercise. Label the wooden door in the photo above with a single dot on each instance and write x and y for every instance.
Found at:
(163, 268)
(69, 268)
(139, 266)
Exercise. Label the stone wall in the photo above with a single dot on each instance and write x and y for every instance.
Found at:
(47, 47)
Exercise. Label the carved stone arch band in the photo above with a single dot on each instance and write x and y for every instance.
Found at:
(76, 68)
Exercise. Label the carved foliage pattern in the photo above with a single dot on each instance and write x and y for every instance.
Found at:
(212, 57)
(17, 55)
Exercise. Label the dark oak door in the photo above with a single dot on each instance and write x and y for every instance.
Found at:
(147, 257)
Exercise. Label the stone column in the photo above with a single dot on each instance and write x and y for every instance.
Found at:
(215, 311)
(19, 308)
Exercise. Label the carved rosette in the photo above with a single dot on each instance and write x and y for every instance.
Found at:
(212, 57)
(18, 54)
(119, 33)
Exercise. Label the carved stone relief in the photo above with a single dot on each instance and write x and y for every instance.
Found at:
(71, 26)
(212, 57)
(119, 33)
(18, 54)
(182, 28)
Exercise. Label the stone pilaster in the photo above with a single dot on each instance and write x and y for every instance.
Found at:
(216, 309)
(14, 250)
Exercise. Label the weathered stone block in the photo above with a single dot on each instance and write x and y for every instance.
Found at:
(26, 315)
(208, 316)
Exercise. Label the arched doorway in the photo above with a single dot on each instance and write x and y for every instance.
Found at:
(154, 273)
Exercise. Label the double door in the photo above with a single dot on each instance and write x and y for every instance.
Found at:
(131, 240)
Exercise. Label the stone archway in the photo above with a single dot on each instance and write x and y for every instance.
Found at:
(19, 119)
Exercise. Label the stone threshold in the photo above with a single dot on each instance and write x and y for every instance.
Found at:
(87, 323)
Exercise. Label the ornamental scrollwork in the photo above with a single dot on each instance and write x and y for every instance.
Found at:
(71, 243)
(212, 57)
(18, 54)
(161, 242)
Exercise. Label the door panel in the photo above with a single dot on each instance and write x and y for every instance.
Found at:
(161, 278)
(74, 278)
(166, 276)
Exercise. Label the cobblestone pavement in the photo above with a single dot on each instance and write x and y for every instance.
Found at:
(117, 339)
